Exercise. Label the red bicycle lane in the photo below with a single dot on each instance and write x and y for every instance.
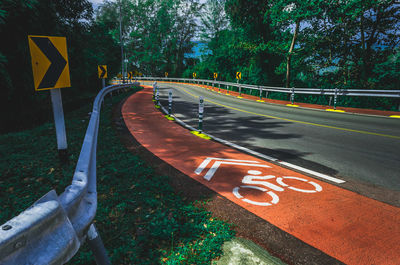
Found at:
(347, 226)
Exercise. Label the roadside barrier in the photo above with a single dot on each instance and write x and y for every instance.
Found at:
(335, 93)
(52, 230)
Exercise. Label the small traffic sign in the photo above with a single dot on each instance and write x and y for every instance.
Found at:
(194, 75)
(49, 62)
(215, 75)
(119, 75)
(166, 74)
(102, 71)
(238, 75)
(130, 75)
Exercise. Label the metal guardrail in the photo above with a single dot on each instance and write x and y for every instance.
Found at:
(310, 91)
(54, 227)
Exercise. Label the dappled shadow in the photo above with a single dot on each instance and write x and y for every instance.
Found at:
(244, 130)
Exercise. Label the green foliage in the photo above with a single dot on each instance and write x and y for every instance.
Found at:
(339, 44)
(156, 34)
(88, 46)
(142, 220)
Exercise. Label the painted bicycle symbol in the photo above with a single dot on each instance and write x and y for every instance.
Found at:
(254, 179)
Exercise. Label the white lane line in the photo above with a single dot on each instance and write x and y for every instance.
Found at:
(269, 158)
(312, 172)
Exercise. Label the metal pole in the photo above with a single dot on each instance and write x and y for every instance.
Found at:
(169, 102)
(103, 83)
(154, 90)
(122, 45)
(96, 245)
(58, 112)
(240, 89)
(157, 97)
(201, 111)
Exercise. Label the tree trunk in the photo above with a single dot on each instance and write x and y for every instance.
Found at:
(289, 56)
(363, 56)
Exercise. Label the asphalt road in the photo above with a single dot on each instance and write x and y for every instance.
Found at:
(352, 147)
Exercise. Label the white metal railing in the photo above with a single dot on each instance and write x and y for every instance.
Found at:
(54, 227)
(310, 91)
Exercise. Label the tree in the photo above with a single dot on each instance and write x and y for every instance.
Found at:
(157, 34)
(20, 105)
(286, 13)
(213, 19)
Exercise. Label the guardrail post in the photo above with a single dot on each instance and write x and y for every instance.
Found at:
(201, 112)
(292, 96)
(219, 88)
(96, 245)
(240, 88)
(335, 99)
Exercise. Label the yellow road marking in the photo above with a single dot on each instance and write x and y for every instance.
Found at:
(295, 121)
(394, 116)
(335, 110)
(169, 118)
(201, 135)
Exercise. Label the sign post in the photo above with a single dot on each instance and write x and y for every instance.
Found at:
(238, 77)
(201, 112)
(215, 78)
(170, 102)
(194, 76)
(102, 71)
(50, 69)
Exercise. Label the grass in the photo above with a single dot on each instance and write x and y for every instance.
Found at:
(141, 219)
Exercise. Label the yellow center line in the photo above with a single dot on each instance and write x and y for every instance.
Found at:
(296, 121)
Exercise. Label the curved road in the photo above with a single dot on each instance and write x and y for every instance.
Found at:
(360, 148)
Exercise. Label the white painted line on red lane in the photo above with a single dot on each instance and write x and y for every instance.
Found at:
(312, 172)
(206, 161)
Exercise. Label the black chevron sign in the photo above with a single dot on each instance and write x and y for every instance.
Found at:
(129, 75)
(102, 71)
(49, 62)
